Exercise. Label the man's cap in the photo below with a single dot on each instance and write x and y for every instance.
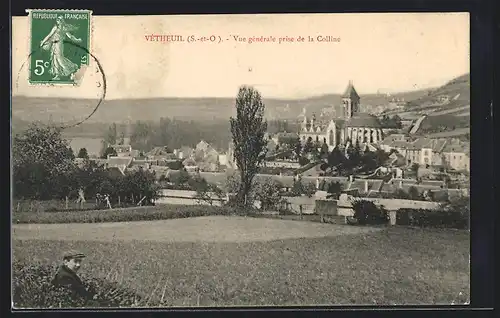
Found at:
(72, 254)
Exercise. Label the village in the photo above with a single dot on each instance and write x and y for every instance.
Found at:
(430, 169)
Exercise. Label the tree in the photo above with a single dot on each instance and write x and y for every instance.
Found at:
(324, 151)
(308, 146)
(109, 151)
(267, 192)
(324, 166)
(413, 193)
(381, 157)
(232, 183)
(40, 159)
(298, 147)
(396, 121)
(334, 190)
(142, 135)
(414, 168)
(369, 160)
(300, 188)
(206, 192)
(303, 161)
(141, 184)
(354, 154)
(248, 129)
(335, 158)
(121, 140)
(109, 138)
(82, 153)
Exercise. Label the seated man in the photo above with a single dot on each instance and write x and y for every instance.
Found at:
(66, 275)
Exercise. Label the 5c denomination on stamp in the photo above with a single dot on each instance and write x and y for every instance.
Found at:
(54, 60)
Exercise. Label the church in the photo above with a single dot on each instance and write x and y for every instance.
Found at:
(349, 126)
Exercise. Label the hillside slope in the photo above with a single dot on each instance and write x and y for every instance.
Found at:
(447, 107)
(199, 109)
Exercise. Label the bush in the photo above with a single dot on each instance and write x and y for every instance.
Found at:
(451, 214)
(143, 213)
(366, 212)
(431, 218)
(303, 161)
(32, 288)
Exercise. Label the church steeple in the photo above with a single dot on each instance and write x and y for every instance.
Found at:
(350, 101)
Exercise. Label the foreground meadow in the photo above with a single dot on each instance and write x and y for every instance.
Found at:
(207, 263)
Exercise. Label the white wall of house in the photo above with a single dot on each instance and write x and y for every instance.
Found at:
(457, 160)
(281, 164)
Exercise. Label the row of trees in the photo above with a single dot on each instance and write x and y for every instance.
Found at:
(175, 133)
(393, 122)
(353, 160)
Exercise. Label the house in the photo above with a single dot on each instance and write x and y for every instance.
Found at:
(137, 164)
(206, 157)
(456, 155)
(203, 146)
(223, 159)
(393, 141)
(159, 171)
(396, 159)
(184, 152)
(286, 138)
(443, 98)
(289, 164)
(121, 163)
(423, 151)
(161, 153)
(122, 150)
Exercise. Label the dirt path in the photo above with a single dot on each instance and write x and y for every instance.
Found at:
(206, 229)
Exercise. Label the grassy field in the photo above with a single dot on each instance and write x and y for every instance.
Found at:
(225, 261)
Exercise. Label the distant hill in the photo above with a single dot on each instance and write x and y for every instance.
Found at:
(447, 107)
(458, 90)
(198, 109)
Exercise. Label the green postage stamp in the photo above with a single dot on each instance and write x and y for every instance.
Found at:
(59, 44)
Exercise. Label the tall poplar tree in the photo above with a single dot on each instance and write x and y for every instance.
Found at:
(248, 129)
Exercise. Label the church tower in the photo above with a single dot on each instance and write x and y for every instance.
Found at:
(350, 101)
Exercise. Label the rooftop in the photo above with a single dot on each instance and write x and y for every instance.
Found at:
(363, 120)
(119, 161)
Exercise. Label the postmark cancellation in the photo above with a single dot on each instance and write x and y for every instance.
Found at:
(60, 44)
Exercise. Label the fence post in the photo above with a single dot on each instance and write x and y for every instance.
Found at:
(119, 201)
(66, 202)
(300, 213)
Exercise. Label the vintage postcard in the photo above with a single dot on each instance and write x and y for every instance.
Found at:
(240, 160)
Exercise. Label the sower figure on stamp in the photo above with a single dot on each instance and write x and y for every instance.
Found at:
(60, 66)
(66, 276)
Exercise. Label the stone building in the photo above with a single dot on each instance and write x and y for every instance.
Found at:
(450, 153)
(351, 125)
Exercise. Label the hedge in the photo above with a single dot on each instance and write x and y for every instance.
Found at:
(432, 218)
(144, 213)
(32, 288)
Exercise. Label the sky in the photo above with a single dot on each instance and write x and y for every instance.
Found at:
(378, 52)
